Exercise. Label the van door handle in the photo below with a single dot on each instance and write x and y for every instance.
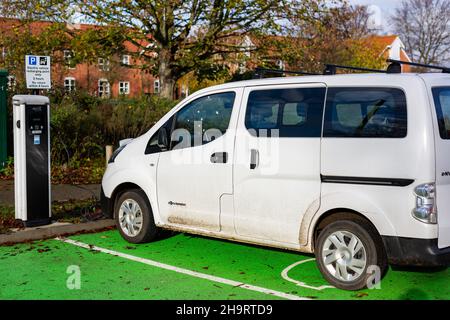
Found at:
(219, 157)
(254, 158)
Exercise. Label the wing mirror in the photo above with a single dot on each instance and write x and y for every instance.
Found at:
(163, 139)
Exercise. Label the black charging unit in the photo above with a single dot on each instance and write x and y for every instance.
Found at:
(32, 159)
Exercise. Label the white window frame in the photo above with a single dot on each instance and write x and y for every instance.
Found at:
(156, 86)
(68, 56)
(184, 90)
(12, 82)
(242, 67)
(104, 91)
(124, 87)
(69, 84)
(126, 58)
(103, 64)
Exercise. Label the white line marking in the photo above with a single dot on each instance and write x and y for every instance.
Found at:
(184, 271)
(284, 275)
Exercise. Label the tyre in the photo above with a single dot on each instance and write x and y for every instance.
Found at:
(346, 249)
(134, 217)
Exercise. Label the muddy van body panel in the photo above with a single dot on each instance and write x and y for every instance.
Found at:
(364, 160)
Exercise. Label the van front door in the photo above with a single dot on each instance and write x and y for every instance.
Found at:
(277, 160)
(196, 171)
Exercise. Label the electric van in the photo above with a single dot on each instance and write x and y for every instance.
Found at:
(353, 168)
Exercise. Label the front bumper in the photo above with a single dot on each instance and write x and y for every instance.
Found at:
(106, 204)
(415, 252)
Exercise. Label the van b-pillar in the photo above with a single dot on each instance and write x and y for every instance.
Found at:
(32, 159)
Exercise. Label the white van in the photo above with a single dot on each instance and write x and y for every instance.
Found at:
(353, 168)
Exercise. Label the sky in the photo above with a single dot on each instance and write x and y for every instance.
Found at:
(382, 10)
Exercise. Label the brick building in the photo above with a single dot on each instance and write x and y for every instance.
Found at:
(106, 77)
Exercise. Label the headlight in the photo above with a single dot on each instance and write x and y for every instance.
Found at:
(116, 153)
(425, 210)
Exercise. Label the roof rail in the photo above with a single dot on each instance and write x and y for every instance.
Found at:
(260, 72)
(395, 66)
(331, 69)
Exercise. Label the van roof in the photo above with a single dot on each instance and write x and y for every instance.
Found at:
(332, 80)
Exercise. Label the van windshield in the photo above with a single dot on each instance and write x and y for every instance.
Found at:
(441, 97)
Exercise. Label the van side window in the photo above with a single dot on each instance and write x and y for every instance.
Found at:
(365, 113)
(152, 145)
(292, 112)
(441, 97)
(202, 120)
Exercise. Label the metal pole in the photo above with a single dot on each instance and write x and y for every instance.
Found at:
(3, 118)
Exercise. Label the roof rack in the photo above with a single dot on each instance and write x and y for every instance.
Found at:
(395, 66)
(260, 72)
(330, 69)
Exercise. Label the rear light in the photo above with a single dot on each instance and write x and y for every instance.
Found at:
(425, 210)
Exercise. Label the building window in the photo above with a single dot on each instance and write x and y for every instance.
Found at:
(126, 60)
(3, 53)
(156, 86)
(69, 84)
(103, 88)
(68, 59)
(242, 67)
(124, 87)
(11, 83)
(184, 91)
(103, 64)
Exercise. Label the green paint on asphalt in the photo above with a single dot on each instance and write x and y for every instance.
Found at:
(107, 276)
(39, 271)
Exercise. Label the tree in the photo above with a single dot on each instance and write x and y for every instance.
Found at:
(338, 34)
(176, 37)
(424, 27)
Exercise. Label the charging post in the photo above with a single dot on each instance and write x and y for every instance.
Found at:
(32, 159)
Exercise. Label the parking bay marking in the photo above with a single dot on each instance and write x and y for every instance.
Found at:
(284, 275)
(184, 271)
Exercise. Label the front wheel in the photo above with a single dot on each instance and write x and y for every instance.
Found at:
(350, 255)
(134, 218)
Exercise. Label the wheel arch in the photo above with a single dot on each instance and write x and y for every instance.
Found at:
(119, 190)
(337, 214)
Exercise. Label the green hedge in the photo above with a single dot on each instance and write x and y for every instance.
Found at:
(82, 125)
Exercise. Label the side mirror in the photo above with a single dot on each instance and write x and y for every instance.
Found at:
(163, 139)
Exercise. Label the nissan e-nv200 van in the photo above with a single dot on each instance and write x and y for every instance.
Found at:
(354, 168)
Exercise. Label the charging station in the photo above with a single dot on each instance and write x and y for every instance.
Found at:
(32, 159)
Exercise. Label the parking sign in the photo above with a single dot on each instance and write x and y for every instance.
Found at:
(32, 60)
(37, 70)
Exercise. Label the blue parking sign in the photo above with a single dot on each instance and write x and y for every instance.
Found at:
(32, 60)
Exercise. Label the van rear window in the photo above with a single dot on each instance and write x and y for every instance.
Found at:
(441, 97)
(365, 113)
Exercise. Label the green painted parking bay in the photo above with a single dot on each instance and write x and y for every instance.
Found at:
(178, 267)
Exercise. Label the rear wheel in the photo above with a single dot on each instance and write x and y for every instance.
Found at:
(348, 253)
(134, 217)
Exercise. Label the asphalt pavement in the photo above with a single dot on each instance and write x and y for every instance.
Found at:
(60, 192)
